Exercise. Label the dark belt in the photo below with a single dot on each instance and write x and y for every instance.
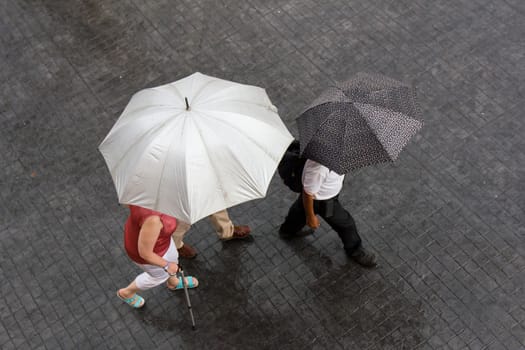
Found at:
(326, 206)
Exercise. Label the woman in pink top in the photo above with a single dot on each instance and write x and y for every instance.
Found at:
(147, 239)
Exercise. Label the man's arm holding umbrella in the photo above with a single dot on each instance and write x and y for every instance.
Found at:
(312, 180)
(308, 202)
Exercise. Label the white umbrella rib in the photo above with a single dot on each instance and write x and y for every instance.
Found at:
(138, 142)
(210, 97)
(190, 97)
(177, 92)
(251, 103)
(207, 154)
(130, 117)
(209, 82)
(247, 136)
(164, 165)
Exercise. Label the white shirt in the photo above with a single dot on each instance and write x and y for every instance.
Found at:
(321, 182)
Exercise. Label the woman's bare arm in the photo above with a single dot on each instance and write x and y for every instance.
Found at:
(148, 235)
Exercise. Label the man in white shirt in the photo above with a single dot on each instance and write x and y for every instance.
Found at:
(321, 187)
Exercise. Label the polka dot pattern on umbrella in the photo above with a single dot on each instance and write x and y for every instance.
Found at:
(364, 121)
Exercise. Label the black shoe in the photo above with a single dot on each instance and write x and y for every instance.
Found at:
(364, 257)
(301, 233)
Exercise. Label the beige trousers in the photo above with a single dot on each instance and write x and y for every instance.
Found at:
(220, 221)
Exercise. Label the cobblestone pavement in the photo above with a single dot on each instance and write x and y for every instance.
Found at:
(446, 220)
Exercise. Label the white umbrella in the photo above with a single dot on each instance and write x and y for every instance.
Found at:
(195, 146)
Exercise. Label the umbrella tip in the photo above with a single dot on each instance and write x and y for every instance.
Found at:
(187, 104)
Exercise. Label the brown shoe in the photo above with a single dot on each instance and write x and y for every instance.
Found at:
(240, 232)
(187, 251)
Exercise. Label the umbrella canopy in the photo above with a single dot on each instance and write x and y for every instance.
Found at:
(195, 146)
(363, 121)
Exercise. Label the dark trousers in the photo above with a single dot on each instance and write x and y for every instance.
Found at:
(333, 213)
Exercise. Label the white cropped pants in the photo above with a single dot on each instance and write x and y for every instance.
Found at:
(154, 275)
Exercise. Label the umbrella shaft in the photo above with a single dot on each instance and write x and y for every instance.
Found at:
(187, 294)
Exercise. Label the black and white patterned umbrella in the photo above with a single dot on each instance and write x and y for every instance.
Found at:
(363, 121)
